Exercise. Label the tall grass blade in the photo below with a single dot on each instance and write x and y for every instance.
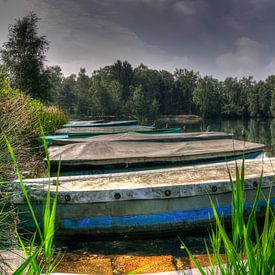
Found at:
(45, 146)
(251, 251)
(196, 263)
(47, 237)
(23, 186)
(27, 262)
(33, 263)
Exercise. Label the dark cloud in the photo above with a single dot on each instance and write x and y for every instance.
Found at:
(215, 37)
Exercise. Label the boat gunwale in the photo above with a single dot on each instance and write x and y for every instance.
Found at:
(180, 190)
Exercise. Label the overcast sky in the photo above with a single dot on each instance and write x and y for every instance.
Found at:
(216, 37)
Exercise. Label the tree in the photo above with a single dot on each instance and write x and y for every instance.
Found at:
(253, 102)
(23, 55)
(272, 106)
(207, 96)
(150, 82)
(56, 79)
(115, 91)
(123, 73)
(82, 86)
(154, 110)
(138, 103)
(247, 84)
(3, 74)
(166, 100)
(103, 74)
(262, 93)
(66, 96)
(100, 99)
(270, 83)
(185, 82)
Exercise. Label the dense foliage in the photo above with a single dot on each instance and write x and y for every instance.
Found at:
(23, 56)
(143, 93)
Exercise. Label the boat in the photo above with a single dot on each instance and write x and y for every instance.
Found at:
(85, 134)
(145, 203)
(79, 122)
(138, 137)
(103, 124)
(125, 154)
(103, 130)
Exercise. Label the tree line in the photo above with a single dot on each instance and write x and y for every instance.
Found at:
(121, 90)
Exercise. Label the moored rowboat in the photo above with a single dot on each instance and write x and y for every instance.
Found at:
(83, 134)
(103, 130)
(145, 202)
(119, 154)
(138, 137)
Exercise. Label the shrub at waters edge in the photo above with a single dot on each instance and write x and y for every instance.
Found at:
(20, 117)
(249, 250)
(41, 258)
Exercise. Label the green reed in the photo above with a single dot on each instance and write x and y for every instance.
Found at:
(7, 228)
(40, 258)
(248, 249)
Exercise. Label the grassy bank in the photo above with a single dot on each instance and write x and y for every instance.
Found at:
(20, 119)
(39, 251)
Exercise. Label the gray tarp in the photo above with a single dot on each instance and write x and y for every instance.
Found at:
(147, 137)
(116, 129)
(108, 153)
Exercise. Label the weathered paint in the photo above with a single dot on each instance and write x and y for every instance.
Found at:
(145, 202)
(176, 217)
(89, 194)
(180, 220)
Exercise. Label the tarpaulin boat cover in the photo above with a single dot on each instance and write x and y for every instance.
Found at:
(108, 153)
(116, 129)
(146, 137)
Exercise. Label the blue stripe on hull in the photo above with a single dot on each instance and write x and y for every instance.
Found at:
(189, 216)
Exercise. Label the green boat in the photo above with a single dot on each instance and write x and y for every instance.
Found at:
(50, 138)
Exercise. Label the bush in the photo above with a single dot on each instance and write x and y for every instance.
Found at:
(20, 119)
(52, 118)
